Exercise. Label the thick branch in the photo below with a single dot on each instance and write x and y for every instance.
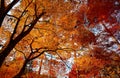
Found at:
(13, 43)
(10, 6)
(23, 34)
(5, 10)
(18, 21)
(2, 5)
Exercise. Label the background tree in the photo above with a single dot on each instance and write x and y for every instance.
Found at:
(103, 21)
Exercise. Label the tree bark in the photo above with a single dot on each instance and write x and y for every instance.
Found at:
(22, 71)
(4, 10)
(6, 51)
(13, 43)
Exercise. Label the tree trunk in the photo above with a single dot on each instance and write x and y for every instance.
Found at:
(22, 71)
(6, 52)
(2, 9)
(2, 15)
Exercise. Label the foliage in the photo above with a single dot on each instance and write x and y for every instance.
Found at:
(60, 38)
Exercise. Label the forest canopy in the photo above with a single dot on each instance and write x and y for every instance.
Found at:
(60, 38)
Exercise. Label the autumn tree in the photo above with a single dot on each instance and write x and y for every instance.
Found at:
(27, 19)
(60, 37)
(14, 37)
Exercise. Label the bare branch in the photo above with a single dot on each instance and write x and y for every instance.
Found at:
(36, 51)
(23, 34)
(12, 16)
(11, 5)
(31, 46)
(37, 55)
(46, 50)
(25, 24)
(111, 34)
(35, 8)
(18, 21)
(21, 52)
(2, 5)
(17, 39)
(5, 10)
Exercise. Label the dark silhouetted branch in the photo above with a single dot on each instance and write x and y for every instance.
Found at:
(4, 10)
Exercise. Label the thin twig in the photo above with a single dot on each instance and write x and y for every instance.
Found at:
(18, 21)
(25, 23)
(21, 52)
